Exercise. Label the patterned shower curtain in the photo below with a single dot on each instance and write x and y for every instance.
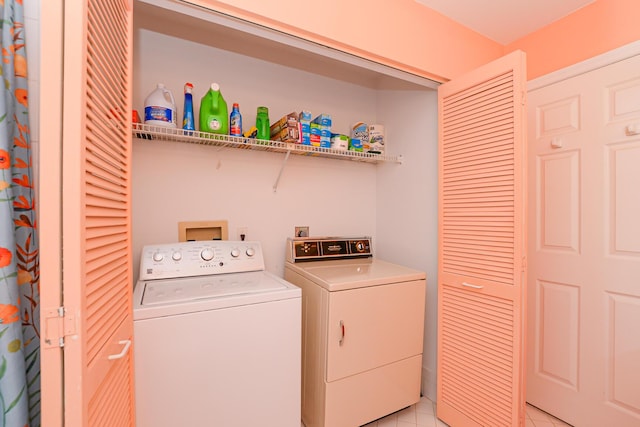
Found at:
(19, 267)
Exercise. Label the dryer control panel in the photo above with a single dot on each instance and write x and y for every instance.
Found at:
(325, 248)
(200, 258)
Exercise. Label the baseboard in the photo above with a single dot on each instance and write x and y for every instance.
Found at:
(428, 384)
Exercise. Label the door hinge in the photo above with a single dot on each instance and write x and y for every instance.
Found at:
(59, 322)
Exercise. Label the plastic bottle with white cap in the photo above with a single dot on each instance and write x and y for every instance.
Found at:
(160, 107)
(214, 116)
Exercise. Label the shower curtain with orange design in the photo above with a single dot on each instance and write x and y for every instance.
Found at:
(19, 268)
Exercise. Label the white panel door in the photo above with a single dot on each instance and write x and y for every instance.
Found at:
(584, 247)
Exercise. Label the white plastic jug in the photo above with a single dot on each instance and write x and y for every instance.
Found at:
(160, 107)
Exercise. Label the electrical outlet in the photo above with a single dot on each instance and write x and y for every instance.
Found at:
(242, 233)
(302, 231)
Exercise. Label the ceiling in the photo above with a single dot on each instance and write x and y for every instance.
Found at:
(505, 21)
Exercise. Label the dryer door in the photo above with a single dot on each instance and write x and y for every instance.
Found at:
(374, 326)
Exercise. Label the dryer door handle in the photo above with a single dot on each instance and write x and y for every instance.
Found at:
(342, 330)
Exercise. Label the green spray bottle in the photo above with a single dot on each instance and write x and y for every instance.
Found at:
(214, 116)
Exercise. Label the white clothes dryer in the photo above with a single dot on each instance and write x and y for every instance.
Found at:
(363, 325)
(216, 338)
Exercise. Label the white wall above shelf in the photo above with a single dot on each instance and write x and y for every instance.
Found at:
(162, 133)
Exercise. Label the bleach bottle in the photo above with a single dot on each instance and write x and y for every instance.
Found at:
(160, 107)
(214, 116)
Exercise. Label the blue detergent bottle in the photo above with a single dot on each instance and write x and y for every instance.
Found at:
(235, 121)
(188, 122)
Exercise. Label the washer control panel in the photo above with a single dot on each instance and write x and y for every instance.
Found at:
(200, 258)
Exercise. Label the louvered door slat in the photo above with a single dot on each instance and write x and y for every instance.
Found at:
(477, 234)
(482, 104)
(481, 143)
(111, 230)
(102, 195)
(103, 186)
(478, 89)
(107, 407)
(486, 130)
(482, 341)
(484, 246)
(481, 247)
(490, 121)
(480, 158)
(471, 339)
(106, 139)
(105, 135)
(500, 94)
(498, 186)
(503, 251)
(105, 175)
(498, 168)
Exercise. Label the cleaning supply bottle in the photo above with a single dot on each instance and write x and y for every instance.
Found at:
(262, 123)
(235, 121)
(160, 107)
(187, 116)
(214, 116)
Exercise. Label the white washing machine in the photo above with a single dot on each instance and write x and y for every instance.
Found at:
(362, 332)
(216, 338)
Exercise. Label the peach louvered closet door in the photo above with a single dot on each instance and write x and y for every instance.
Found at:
(481, 246)
(95, 206)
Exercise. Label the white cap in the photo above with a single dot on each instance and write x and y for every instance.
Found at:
(215, 86)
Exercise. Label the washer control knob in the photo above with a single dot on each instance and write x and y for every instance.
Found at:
(251, 252)
(207, 254)
(360, 246)
(157, 256)
(235, 253)
(177, 256)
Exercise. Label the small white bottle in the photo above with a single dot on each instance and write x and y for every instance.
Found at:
(160, 107)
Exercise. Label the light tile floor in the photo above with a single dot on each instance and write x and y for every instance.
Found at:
(422, 414)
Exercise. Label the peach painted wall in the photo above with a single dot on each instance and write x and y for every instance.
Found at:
(595, 29)
(401, 33)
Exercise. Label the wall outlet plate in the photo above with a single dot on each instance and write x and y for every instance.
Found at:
(302, 231)
(242, 233)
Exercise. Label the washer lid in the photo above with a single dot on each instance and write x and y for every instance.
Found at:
(171, 291)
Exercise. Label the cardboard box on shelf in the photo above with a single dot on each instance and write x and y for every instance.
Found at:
(323, 120)
(288, 121)
(304, 119)
(287, 134)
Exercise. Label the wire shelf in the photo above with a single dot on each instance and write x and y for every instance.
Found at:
(163, 133)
